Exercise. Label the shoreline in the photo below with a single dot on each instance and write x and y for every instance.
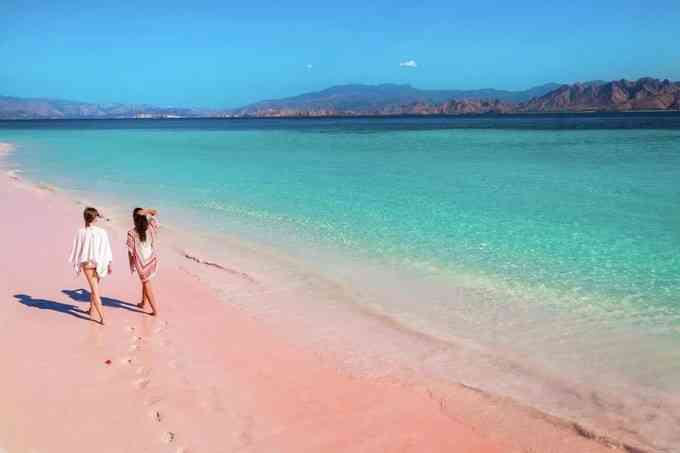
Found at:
(178, 381)
(613, 114)
(442, 396)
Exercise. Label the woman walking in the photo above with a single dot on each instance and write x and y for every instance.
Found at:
(141, 243)
(91, 254)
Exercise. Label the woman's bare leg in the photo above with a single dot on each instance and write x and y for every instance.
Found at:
(145, 299)
(89, 309)
(148, 292)
(95, 300)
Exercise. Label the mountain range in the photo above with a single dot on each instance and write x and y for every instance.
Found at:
(595, 96)
(383, 99)
(621, 95)
(388, 99)
(45, 108)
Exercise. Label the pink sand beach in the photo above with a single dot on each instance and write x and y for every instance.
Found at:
(203, 376)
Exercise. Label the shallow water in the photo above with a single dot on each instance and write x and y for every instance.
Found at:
(559, 236)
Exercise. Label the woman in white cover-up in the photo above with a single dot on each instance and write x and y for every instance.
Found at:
(91, 253)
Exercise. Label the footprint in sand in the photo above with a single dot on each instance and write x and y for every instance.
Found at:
(126, 361)
(212, 401)
(182, 450)
(142, 383)
(161, 327)
(133, 347)
(130, 328)
(169, 437)
(153, 400)
(155, 415)
(245, 436)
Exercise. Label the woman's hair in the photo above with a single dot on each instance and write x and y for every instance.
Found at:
(141, 223)
(89, 214)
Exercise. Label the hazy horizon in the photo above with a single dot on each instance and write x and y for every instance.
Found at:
(212, 55)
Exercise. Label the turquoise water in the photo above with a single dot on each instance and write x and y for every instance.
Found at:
(564, 231)
(585, 213)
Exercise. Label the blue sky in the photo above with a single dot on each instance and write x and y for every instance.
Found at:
(208, 53)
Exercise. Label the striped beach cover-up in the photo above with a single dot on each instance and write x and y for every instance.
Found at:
(144, 258)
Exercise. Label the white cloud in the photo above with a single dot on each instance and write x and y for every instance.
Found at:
(309, 66)
(408, 64)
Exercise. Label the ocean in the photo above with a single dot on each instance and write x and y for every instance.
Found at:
(558, 235)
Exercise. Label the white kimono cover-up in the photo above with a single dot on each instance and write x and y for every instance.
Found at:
(91, 245)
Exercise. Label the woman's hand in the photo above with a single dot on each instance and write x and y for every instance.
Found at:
(150, 211)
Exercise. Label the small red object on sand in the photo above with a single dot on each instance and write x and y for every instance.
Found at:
(108, 362)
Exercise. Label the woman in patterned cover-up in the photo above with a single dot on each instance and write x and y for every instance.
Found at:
(141, 243)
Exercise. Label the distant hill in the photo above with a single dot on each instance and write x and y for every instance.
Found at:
(622, 95)
(389, 99)
(380, 99)
(619, 96)
(43, 108)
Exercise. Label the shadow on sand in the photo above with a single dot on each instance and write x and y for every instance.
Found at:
(78, 295)
(83, 295)
(45, 304)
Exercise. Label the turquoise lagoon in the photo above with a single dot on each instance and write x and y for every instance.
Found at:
(579, 215)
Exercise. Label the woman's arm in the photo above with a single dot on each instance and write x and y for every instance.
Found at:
(108, 255)
(131, 250)
(150, 214)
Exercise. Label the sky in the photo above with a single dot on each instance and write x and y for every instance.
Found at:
(217, 54)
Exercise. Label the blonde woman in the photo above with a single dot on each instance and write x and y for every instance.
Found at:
(91, 254)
